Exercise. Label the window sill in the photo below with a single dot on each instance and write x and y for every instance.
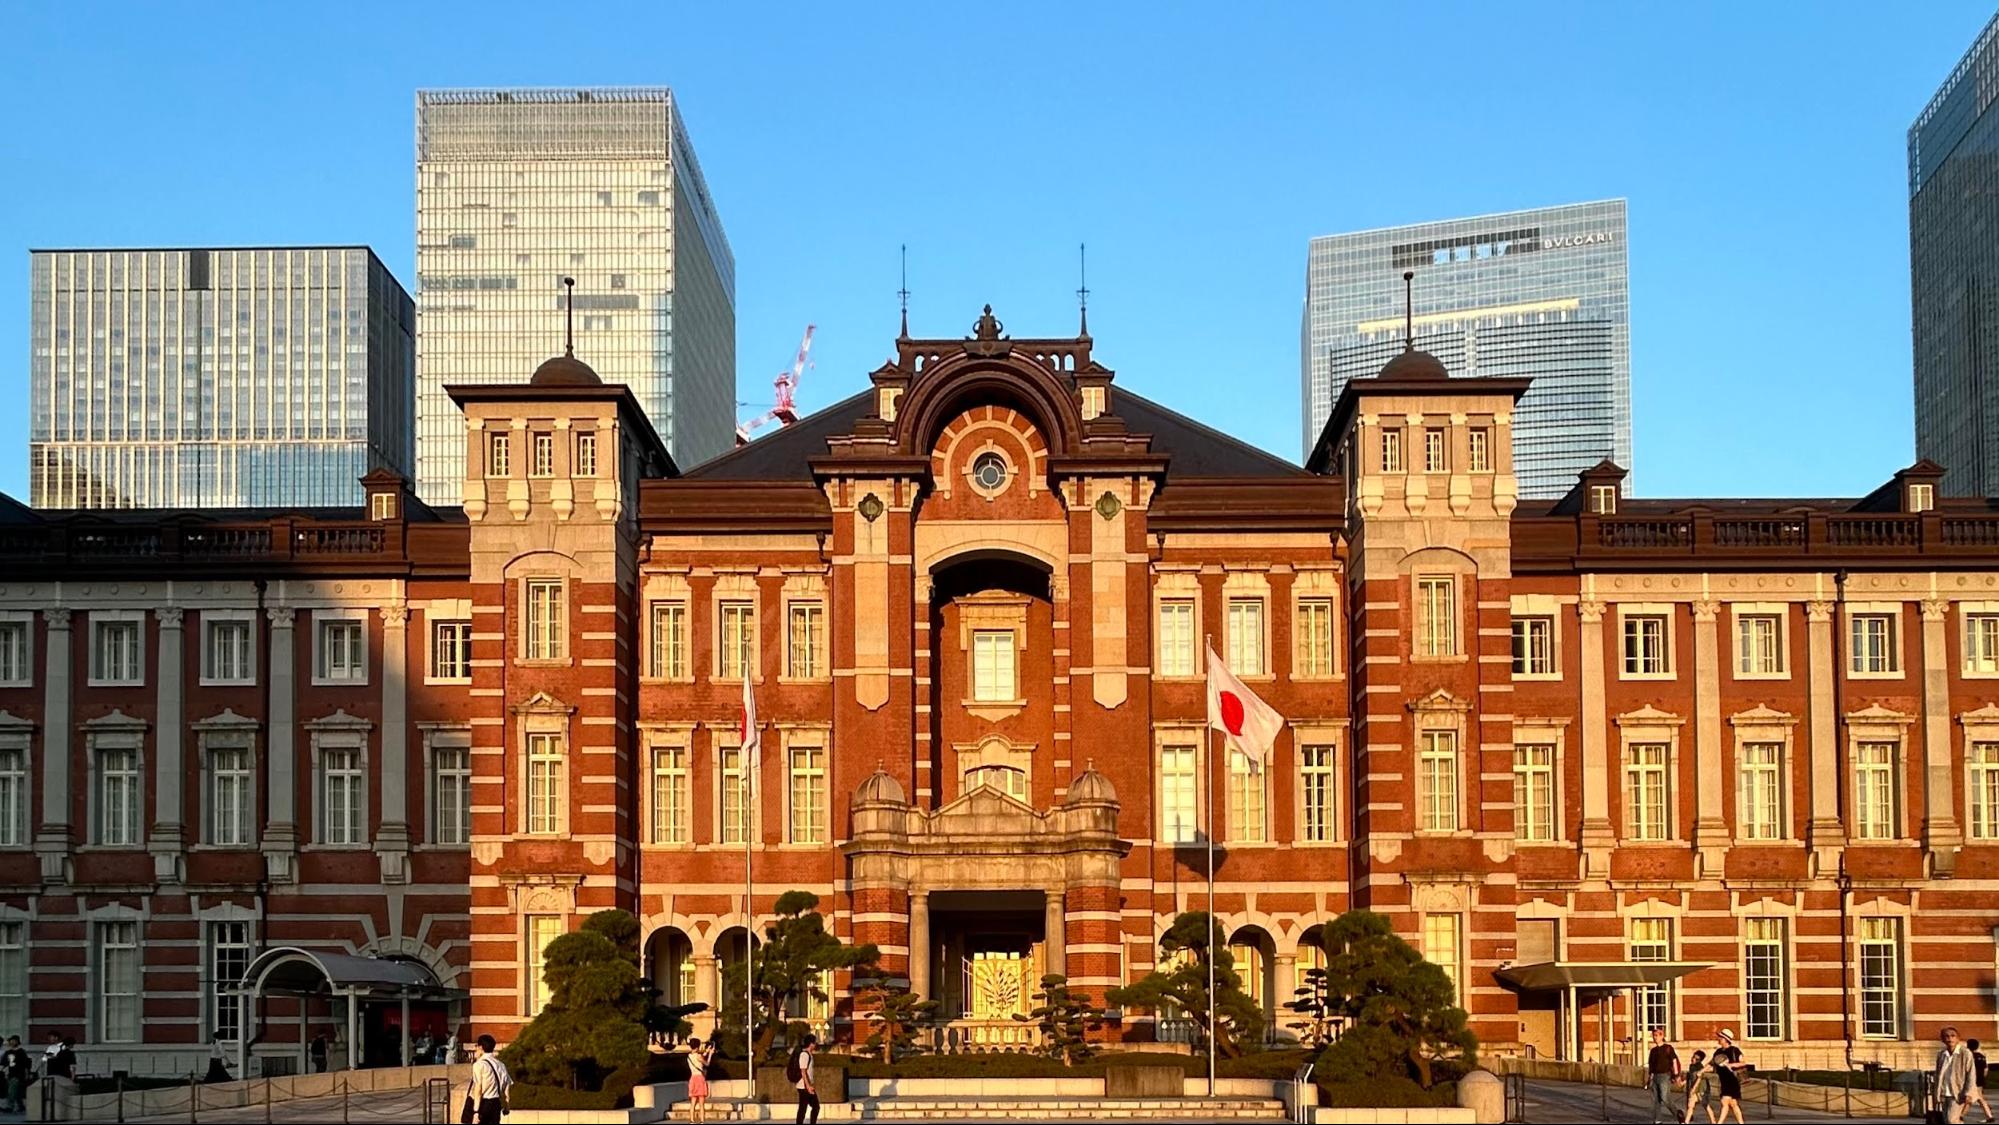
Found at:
(1537, 677)
(206, 682)
(1247, 845)
(4, 684)
(1628, 842)
(1764, 842)
(112, 849)
(447, 681)
(993, 710)
(1178, 677)
(677, 846)
(95, 682)
(1452, 658)
(1897, 842)
(541, 662)
(440, 847)
(1321, 678)
(663, 680)
(1520, 843)
(805, 679)
(1444, 833)
(367, 847)
(322, 681)
(1319, 844)
(1653, 676)
(1967, 674)
(197, 849)
(1895, 675)
(1742, 676)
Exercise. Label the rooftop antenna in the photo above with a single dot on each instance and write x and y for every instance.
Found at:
(1408, 311)
(1083, 286)
(902, 294)
(569, 317)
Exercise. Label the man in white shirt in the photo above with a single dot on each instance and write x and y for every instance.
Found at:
(486, 1095)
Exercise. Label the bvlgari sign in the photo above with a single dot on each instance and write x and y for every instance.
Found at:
(1568, 240)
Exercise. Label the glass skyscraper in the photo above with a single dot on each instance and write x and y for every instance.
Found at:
(518, 189)
(1541, 293)
(271, 377)
(1954, 272)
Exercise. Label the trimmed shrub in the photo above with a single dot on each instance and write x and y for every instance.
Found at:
(1390, 1093)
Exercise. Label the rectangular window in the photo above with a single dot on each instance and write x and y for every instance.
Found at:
(668, 657)
(1245, 639)
(1880, 978)
(669, 795)
(1478, 449)
(1759, 644)
(497, 455)
(1652, 940)
(1437, 615)
(228, 957)
(1315, 782)
(114, 652)
(1761, 815)
(1645, 645)
(451, 650)
(1534, 793)
(1247, 823)
(118, 981)
(1876, 807)
(544, 455)
(805, 638)
(547, 624)
(1179, 811)
(1981, 643)
(1765, 979)
(1315, 637)
(544, 783)
(451, 793)
(1442, 947)
(14, 974)
(225, 652)
(541, 930)
(340, 787)
(1646, 786)
(382, 506)
(808, 795)
(1437, 773)
(1982, 761)
(1436, 451)
(738, 641)
(13, 799)
(1391, 451)
(1603, 499)
(120, 796)
(1176, 637)
(1533, 646)
(734, 796)
(1922, 497)
(992, 666)
(232, 797)
(14, 655)
(586, 454)
(341, 651)
(1873, 645)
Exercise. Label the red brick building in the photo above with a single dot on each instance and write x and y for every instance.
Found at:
(1567, 747)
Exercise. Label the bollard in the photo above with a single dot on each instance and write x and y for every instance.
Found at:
(193, 1098)
(267, 1101)
(344, 1087)
(118, 1077)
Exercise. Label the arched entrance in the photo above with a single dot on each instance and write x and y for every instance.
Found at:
(369, 1008)
(1254, 956)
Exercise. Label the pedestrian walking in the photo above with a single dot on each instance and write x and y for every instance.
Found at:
(488, 1094)
(800, 1072)
(317, 1053)
(1662, 1069)
(1728, 1066)
(1955, 1071)
(1700, 1088)
(697, 1077)
(1977, 1081)
(19, 1070)
(217, 1070)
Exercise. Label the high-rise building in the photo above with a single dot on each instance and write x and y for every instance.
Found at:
(267, 377)
(518, 189)
(1541, 293)
(1954, 271)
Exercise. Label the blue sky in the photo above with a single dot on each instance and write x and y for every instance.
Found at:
(1194, 147)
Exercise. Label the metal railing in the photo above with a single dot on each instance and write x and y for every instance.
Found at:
(333, 1098)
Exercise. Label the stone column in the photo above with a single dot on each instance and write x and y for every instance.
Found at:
(164, 841)
(704, 993)
(1710, 830)
(52, 837)
(280, 839)
(1055, 938)
(1285, 983)
(1941, 835)
(919, 944)
(1598, 837)
(1826, 830)
(392, 841)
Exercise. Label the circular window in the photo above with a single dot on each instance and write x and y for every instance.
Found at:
(989, 472)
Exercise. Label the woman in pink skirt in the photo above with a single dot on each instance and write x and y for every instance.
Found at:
(697, 1077)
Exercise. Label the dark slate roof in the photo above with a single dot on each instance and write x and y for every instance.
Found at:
(12, 511)
(1196, 450)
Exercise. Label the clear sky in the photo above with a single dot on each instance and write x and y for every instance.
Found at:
(1195, 148)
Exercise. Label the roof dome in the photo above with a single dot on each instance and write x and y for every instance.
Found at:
(1413, 364)
(1090, 786)
(880, 788)
(565, 370)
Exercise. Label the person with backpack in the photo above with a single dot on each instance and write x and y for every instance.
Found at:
(799, 1072)
(1977, 1081)
(19, 1070)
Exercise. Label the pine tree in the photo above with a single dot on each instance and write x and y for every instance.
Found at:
(595, 1019)
(1183, 985)
(791, 962)
(895, 1013)
(1401, 1012)
(1065, 1020)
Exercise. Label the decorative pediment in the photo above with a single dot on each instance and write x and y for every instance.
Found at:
(115, 721)
(1987, 715)
(14, 724)
(1440, 700)
(339, 720)
(1877, 715)
(228, 719)
(543, 703)
(986, 811)
(1762, 715)
(1649, 716)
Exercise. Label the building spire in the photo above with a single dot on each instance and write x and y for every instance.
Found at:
(569, 316)
(902, 294)
(1083, 287)
(1408, 311)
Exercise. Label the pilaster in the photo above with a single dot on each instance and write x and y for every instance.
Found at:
(280, 837)
(52, 836)
(1055, 935)
(165, 839)
(1941, 835)
(919, 944)
(392, 842)
(1598, 837)
(1710, 830)
(1826, 830)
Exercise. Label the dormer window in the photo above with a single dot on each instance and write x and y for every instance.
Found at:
(497, 459)
(1603, 499)
(1922, 497)
(382, 506)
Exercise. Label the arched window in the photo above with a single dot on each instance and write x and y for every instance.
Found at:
(1006, 779)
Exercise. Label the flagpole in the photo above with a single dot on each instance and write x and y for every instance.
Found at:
(749, 924)
(1208, 780)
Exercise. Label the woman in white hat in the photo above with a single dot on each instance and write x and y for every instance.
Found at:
(1727, 1063)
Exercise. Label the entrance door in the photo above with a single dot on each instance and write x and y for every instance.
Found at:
(996, 985)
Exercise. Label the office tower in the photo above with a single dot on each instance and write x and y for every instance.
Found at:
(1954, 272)
(1541, 293)
(518, 189)
(267, 377)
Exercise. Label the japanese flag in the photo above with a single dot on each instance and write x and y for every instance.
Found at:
(752, 740)
(1249, 723)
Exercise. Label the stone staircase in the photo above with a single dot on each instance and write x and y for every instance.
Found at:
(1004, 1109)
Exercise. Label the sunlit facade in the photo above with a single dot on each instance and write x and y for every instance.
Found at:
(518, 189)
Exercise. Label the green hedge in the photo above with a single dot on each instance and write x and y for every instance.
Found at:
(1390, 1093)
(1263, 1064)
(615, 1094)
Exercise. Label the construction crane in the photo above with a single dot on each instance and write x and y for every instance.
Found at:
(785, 411)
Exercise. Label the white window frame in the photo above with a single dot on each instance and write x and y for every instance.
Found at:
(382, 506)
(243, 834)
(322, 619)
(1756, 779)
(1314, 745)
(1178, 652)
(1439, 744)
(1868, 775)
(100, 619)
(1981, 783)
(1315, 644)
(1437, 627)
(14, 991)
(1523, 647)
(17, 651)
(499, 453)
(586, 454)
(1436, 450)
(1478, 450)
(544, 641)
(1978, 623)
(732, 780)
(1525, 771)
(17, 744)
(1248, 820)
(210, 619)
(342, 742)
(434, 670)
(669, 774)
(544, 809)
(1603, 499)
(733, 662)
(1866, 666)
(1178, 768)
(1451, 934)
(214, 1002)
(1391, 449)
(992, 648)
(1247, 649)
(1888, 995)
(1639, 826)
(438, 742)
(1749, 617)
(538, 931)
(1777, 942)
(541, 460)
(1653, 948)
(666, 640)
(813, 666)
(132, 943)
(806, 792)
(1922, 498)
(121, 740)
(1631, 622)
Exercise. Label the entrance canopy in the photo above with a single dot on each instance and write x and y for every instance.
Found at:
(292, 971)
(1595, 976)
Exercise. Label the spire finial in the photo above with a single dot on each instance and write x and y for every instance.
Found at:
(1083, 287)
(1408, 311)
(569, 316)
(903, 293)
